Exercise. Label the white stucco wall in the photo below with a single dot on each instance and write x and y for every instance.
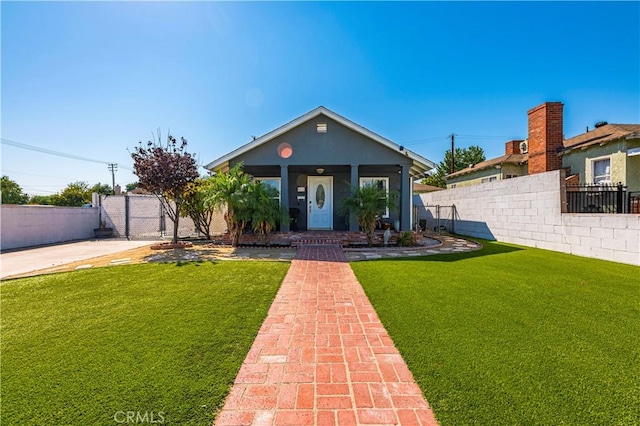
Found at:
(26, 226)
(527, 211)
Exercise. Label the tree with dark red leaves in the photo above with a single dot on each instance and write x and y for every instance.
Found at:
(166, 170)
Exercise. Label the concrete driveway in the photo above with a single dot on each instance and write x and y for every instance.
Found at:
(28, 260)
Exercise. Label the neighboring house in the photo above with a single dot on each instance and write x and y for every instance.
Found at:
(506, 167)
(315, 159)
(609, 154)
(537, 154)
(606, 155)
(422, 188)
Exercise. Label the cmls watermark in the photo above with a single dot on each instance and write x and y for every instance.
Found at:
(132, 417)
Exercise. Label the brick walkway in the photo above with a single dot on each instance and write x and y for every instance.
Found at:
(323, 357)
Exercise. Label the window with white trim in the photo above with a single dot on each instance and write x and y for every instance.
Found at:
(601, 171)
(489, 179)
(272, 182)
(381, 182)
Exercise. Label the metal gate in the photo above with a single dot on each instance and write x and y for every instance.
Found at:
(436, 218)
(140, 217)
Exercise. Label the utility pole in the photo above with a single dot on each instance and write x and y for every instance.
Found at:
(113, 167)
(453, 162)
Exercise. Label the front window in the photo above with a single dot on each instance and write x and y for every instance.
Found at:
(382, 183)
(272, 182)
(602, 171)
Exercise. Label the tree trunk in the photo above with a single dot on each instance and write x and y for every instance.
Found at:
(235, 234)
(176, 222)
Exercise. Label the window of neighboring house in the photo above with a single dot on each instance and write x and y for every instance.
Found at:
(511, 176)
(488, 179)
(453, 185)
(381, 182)
(602, 171)
(272, 182)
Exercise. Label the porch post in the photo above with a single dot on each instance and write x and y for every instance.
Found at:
(284, 195)
(405, 199)
(353, 222)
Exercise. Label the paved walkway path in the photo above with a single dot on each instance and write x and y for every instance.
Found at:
(323, 357)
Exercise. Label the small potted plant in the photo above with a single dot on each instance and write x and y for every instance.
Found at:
(103, 231)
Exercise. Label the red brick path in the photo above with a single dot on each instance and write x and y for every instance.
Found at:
(323, 357)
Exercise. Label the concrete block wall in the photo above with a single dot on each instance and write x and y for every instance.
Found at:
(528, 211)
(27, 226)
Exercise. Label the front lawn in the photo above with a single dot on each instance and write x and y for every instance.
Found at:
(161, 341)
(513, 335)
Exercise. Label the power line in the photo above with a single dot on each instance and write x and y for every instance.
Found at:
(447, 137)
(426, 140)
(32, 174)
(52, 152)
(484, 137)
(34, 188)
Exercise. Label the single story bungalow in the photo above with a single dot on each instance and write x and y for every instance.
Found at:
(315, 159)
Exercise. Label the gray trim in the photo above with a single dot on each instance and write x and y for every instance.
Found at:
(353, 222)
(405, 209)
(284, 195)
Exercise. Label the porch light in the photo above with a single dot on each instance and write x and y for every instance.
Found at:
(320, 170)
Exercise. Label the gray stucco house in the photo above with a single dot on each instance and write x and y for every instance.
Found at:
(314, 159)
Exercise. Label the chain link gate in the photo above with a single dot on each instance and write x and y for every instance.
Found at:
(140, 217)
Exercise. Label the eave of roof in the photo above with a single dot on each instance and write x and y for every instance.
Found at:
(419, 167)
(423, 187)
(492, 162)
(602, 135)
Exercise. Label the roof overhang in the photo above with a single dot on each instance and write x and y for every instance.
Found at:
(419, 166)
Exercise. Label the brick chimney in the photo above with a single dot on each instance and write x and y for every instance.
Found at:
(513, 147)
(545, 137)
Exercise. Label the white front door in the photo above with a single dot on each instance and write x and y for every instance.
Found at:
(320, 202)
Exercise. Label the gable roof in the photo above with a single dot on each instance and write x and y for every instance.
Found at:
(505, 159)
(602, 135)
(419, 167)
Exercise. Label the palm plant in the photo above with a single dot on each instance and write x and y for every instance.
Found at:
(231, 191)
(265, 209)
(366, 203)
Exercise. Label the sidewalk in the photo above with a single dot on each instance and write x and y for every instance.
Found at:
(323, 357)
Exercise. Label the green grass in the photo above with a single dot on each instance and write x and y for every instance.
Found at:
(515, 336)
(165, 339)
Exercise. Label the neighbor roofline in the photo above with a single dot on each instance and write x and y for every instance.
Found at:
(492, 162)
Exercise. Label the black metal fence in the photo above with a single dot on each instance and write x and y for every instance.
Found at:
(601, 199)
(436, 218)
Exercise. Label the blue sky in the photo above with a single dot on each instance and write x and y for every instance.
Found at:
(92, 79)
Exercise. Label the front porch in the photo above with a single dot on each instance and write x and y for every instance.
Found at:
(312, 193)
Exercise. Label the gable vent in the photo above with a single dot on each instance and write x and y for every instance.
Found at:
(321, 127)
